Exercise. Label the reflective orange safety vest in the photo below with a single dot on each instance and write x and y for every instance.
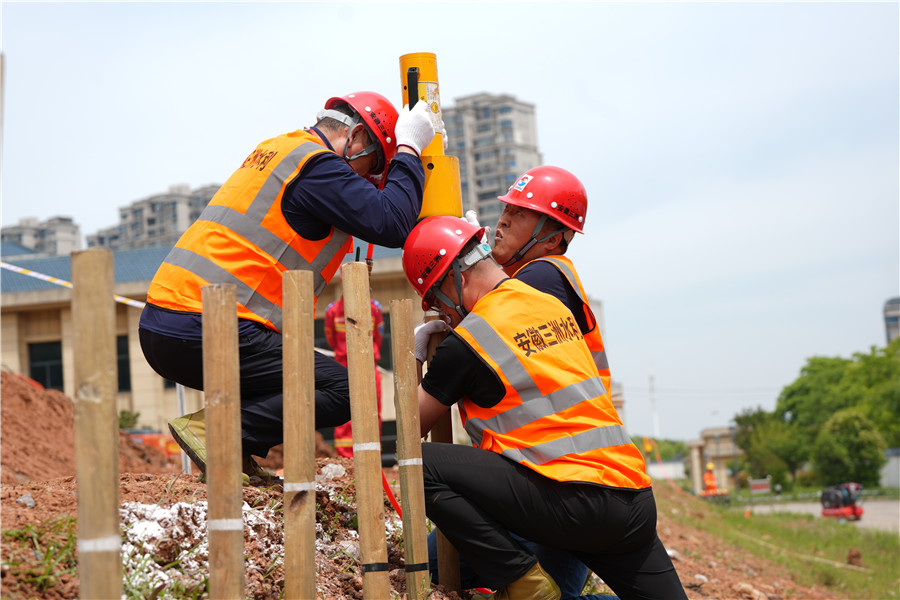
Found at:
(242, 237)
(556, 416)
(592, 337)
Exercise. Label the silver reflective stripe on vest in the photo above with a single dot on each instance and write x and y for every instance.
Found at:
(534, 405)
(249, 226)
(538, 408)
(592, 439)
(210, 271)
(599, 355)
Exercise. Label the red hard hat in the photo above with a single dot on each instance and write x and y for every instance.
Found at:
(380, 117)
(551, 191)
(431, 248)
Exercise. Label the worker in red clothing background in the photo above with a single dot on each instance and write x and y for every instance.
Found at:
(336, 334)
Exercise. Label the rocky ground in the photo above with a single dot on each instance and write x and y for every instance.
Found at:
(163, 516)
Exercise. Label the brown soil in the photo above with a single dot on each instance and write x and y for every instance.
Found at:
(163, 516)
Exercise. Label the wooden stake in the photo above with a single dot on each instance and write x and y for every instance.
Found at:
(222, 387)
(442, 432)
(96, 424)
(366, 443)
(409, 448)
(299, 437)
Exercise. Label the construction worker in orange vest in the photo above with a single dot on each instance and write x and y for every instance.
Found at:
(709, 479)
(336, 335)
(550, 460)
(544, 209)
(293, 204)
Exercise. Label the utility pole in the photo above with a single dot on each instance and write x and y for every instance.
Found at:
(653, 411)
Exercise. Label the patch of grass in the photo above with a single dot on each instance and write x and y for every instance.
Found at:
(813, 549)
(40, 554)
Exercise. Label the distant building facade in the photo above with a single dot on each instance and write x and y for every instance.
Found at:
(57, 236)
(892, 319)
(717, 446)
(155, 221)
(495, 139)
(37, 329)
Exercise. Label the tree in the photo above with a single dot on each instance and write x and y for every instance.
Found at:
(770, 445)
(781, 442)
(849, 448)
(793, 450)
(807, 403)
(873, 381)
(869, 382)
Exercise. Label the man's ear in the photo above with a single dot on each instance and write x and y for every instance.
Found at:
(360, 129)
(554, 243)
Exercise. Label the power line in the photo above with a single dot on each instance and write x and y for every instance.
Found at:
(635, 390)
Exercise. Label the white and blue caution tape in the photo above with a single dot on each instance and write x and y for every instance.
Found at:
(63, 283)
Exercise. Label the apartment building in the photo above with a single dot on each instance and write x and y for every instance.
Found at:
(155, 221)
(494, 136)
(57, 236)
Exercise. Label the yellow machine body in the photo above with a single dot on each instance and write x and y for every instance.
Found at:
(442, 189)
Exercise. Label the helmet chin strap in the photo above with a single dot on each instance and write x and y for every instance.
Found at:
(478, 253)
(457, 279)
(350, 122)
(521, 252)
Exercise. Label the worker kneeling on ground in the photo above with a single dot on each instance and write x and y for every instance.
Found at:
(544, 209)
(550, 461)
(293, 204)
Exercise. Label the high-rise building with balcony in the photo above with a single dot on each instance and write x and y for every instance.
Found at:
(155, 221)
(56, 236)
(495, 138)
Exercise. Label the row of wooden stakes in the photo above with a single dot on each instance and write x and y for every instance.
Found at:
(96, 437)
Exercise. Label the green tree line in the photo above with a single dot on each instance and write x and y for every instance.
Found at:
(838, 417)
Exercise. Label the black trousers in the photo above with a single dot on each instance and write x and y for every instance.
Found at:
(476, 497)
(262, 401)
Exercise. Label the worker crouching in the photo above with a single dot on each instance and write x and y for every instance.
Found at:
(550, 460)
(295, 203)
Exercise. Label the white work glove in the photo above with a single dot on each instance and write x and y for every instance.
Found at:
(444, 136)
(423, 333)
(472, 218)
(414, 128)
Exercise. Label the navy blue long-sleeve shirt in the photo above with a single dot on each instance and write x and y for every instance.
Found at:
(328, 193)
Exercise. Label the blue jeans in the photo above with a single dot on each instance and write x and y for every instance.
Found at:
(568, 572)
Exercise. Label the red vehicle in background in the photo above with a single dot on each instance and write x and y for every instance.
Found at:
(841, 501)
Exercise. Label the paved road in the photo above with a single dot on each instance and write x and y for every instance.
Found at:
(879, 513)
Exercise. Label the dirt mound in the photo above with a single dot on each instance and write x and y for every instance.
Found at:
(163, 517)
(274, 461)
(165, 539)
(37, 428)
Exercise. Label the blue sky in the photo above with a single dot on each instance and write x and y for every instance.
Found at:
(741, 160)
